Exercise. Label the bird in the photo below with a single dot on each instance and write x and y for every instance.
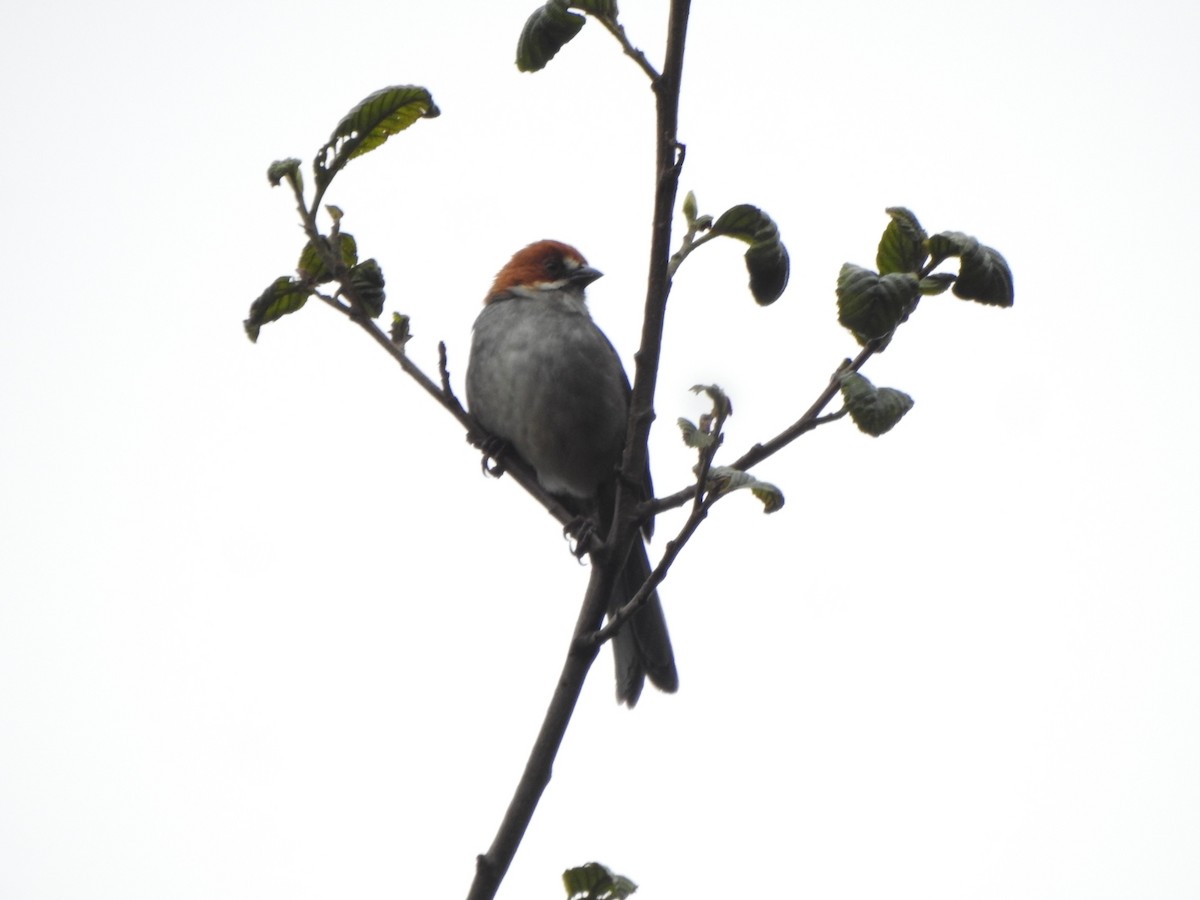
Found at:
(543, 379)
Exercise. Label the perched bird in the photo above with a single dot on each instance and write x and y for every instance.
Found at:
(545, 380)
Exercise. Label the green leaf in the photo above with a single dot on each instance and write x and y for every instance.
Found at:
(690, 210)
(767, 258)
(366, 279)
(693, 436)
(285, 295)
(984, 277)
(722, 405)
(874, 410)
(723, 479)
(936, 283)
(743, 222)
(872, 305)
(983, 274)
(704, 435)
(286, 168)
(545, 33)
(596, 882)
(902, 247)
(311, 266)
(401, 330)
(946, 244)
(381, 115)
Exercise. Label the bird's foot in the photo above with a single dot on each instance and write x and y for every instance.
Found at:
(494, 450)
(580, 531)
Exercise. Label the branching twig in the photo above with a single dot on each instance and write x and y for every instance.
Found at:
(650, 508)
(704, 500)
(811, 419)
(670, 552)
(690, 243)
(709, 453)
(618, 31)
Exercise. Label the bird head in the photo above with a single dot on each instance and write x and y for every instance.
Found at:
(542, 267)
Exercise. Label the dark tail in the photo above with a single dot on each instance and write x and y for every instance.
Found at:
(642, 647)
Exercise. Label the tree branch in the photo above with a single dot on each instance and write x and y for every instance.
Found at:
(698, 514)
(811, 419)
(491, 867)
(608, 552)
(668, 159)
(704, 500)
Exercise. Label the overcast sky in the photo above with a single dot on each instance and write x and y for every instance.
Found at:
(267, 632)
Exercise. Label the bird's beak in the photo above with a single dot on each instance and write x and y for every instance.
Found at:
(584, 275)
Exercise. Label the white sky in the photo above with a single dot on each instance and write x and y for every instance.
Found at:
(265, 631)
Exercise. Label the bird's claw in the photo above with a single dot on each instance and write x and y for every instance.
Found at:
(494, 450)
(491, 465)
(580, 531)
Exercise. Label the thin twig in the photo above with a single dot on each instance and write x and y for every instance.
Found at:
(649, 508)
(618, 31)
(703, 502)
(658, 286)
(709, 453)
(444, 368)
(811, 419)
(689, 244)
(637, 601)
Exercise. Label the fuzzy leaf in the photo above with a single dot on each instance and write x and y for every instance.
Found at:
(545, 33)
(936, 283)
(284, 295)
(874, 410)
(722, 405)
(872, 305)
(693, 436)
(312, 267)
(367, 281)
(902, 247)
(401, 330)
(742, 222)
(767, 258)
(984, 277)
(983, 274)
(769, 268)
(723, 479)
(596, 882)
(381, 115)
(946, 244)
(285, 168)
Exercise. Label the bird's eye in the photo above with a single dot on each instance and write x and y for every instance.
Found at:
(555, 266)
